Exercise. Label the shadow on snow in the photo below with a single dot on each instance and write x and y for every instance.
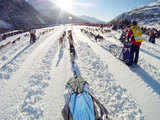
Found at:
(157, 57)
(60, 56)
(17, 55)
(147, 79)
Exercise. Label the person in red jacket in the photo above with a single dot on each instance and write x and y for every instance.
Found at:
(135, 38)
(152, 37)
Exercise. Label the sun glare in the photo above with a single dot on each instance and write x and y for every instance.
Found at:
(67, 5)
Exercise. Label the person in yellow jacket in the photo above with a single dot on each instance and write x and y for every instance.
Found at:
(135, 38)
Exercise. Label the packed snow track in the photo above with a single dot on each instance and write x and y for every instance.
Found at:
(33, 76)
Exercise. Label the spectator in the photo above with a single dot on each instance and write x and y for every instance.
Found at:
(152, 37)
(32, 36)
(135, 34)
(0, 37)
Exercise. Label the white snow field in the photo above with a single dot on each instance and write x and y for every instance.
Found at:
(33, 77)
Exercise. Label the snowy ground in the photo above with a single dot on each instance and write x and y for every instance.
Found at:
(32, 77)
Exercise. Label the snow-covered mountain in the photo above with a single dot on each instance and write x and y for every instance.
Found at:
(20, 14)
(146, 14)
(17, 14)
(93, 19)
(52, 13)
(4, 24)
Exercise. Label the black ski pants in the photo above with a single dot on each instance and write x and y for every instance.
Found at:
(134, 54)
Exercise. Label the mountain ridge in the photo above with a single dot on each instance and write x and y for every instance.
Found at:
(145, 14)
(18, 14)
(21, 14)
(54, 14)
(93, 19)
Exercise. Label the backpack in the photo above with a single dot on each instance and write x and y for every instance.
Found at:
(80, 104)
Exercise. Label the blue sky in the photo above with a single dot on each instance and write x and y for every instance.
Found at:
(107, 9)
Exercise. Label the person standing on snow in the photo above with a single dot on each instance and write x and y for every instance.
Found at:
(32, 36)
(0, 37)
(152, 36)
(135, 37)
(123, 35)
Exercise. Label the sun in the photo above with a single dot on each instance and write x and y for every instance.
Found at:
(67, 5)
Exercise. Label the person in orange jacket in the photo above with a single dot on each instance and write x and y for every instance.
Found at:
(135, 38)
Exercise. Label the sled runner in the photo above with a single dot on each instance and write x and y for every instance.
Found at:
(122, 53)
